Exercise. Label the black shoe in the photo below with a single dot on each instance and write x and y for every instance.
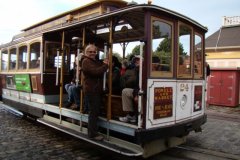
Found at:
(68, 105)
(85, 111)
(75, 107)
(98, 138)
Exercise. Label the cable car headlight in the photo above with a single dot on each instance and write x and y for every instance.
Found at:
(183, 101)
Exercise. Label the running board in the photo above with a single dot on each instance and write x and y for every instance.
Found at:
(78, 131)
(12, 110)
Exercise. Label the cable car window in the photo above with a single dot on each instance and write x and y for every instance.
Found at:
(52, 59)
(4, 60)
(162, 48)
(198, 56)
(184, 51)
(13, 59)
(58, 61)
(22, 57)
(51, 53)
(35, 55)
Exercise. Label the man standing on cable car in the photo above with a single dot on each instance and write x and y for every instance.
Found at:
(93, 71)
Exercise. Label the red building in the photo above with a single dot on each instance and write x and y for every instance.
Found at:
(223, 56)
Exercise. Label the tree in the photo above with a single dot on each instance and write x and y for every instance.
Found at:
(163, 51)
(166, 46)
(181, 49)
(135, 51)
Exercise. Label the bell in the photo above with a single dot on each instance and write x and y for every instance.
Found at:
(149, 2)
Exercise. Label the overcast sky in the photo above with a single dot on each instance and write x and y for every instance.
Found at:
(16, 15)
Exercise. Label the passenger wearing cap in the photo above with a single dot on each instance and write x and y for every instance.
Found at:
(130, 86)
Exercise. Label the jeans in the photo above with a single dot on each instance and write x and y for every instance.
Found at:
(73, 93)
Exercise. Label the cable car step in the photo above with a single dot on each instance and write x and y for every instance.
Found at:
(111, 143)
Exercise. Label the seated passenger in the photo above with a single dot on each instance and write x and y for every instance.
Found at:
(73, 96)
(116, 65)
(35, 63)
(124, 67)
(38, 62)
(130, 90)
(73, 90)
(156, 63)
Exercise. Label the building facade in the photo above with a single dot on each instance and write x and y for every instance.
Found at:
(223, 56)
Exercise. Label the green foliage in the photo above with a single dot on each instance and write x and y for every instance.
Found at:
(181, 49)
(165, 45)
(118, 56)
(163, 51)
(135, 51)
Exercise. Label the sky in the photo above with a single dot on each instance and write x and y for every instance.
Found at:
(16, 15)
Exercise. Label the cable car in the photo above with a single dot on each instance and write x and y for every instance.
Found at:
(36, 65)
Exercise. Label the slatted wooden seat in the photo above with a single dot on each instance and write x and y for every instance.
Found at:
(116, 106)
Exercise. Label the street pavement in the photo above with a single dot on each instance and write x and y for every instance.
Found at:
(221, 132)
(25, 139)
(22, 139)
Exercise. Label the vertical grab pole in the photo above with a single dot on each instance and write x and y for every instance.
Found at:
(61, 76)
(77, 70)
(81, 92)
(109, 115)
(140, 86)
(105, 73)
(57, 70)
(109, 109)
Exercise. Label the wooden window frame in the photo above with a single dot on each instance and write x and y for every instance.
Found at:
(161, 73)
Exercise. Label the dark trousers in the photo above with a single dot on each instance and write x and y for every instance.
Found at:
(94, 102)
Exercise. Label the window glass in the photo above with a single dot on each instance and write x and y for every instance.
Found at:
(162, 49)
(35, 55)
(198, 57)
(4, 60)
(22, 57)
(51, 54)
(184, 51)
(13, 58)
(52, 60)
